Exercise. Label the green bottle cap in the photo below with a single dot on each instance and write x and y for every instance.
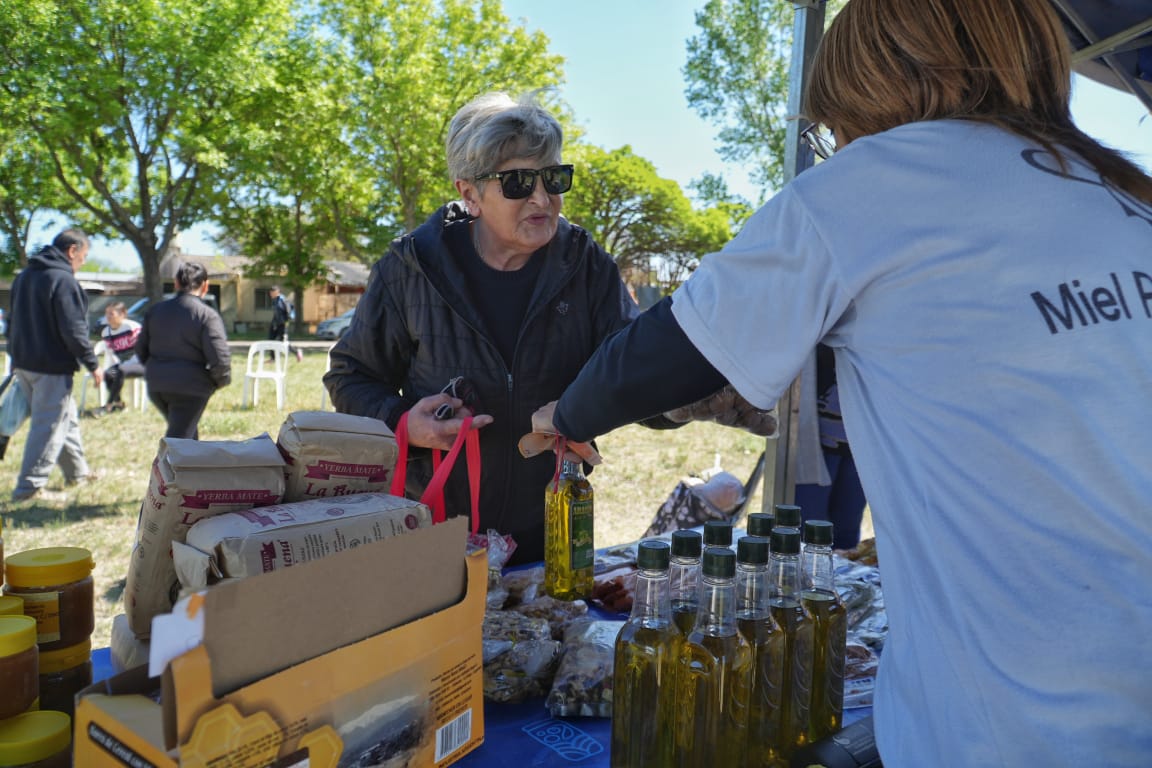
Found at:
(761, 524)
(717, 533)
(788, 515)
(686, 544)
(719, 562)
(786, 541)
(752, 550)
(652, 555)
(818, 533)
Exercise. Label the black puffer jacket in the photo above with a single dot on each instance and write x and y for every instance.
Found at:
(184, 347)
(48, 327)
(415, 328)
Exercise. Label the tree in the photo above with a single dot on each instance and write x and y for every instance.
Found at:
(737, 78)
(27, 188)
(407, 66)
(136, 101)
(637, 216)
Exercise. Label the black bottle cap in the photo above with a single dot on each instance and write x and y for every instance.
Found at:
(761, 524)
(786, 541)
(653, 555)
(717, 533)
(818, 532)
(686, 544)
(752, 550)
(788, 515)
(719, 562)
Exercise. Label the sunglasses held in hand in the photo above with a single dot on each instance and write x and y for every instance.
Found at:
(461, 389)
(518, 183)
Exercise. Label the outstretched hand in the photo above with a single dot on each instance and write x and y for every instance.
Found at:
(426, 431)
(543, 438)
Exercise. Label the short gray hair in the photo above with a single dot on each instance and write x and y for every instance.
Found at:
(494, 127)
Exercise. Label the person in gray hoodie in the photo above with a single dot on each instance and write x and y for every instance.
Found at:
(48, 341)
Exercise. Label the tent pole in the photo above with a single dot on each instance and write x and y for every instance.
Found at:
(780, 452)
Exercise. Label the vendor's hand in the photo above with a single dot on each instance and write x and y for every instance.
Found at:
(426, 431)
(728, 407)
(98, 376)
(543, 438)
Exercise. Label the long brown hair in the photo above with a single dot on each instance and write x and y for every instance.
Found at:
(884, 63)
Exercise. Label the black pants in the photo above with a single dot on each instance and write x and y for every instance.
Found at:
(182, 412)
(280, 333)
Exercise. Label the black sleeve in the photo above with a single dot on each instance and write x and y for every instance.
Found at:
(641, 371)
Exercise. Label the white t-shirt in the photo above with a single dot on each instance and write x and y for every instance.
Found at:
(992, 322)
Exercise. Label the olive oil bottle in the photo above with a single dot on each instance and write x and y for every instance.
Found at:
(766, 639)
(684, 577)
(569, 547)
(642, 689)
(829, 631)
(790, 729)
(713, 674)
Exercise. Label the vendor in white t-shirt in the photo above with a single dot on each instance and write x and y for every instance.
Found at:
(120, 336)
(982, 270)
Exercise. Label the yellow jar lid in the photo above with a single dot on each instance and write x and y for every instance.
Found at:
(48, 566)
(33, 736)
(17, 634)
(11, 605)
(65, 658)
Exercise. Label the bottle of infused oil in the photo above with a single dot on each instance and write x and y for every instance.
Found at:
(784, 574)
(642, 691)
(713, 674)
(829, 631)
(684, 575)
(569, 547)
(764, 636)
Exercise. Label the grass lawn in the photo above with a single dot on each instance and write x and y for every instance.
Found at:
(641, 468)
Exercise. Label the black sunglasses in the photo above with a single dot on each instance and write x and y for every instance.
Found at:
(518, 183)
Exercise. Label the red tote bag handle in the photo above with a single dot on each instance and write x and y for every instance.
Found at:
(433, 495)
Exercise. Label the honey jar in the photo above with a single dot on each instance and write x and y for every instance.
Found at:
(56, 586)
(19, 683)
(63, 674)
(36, 740)
(11, 605)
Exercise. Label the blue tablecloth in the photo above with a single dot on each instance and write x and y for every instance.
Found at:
(522, 734)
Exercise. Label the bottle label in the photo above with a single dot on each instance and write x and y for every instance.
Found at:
(45, 608)
(583, 553)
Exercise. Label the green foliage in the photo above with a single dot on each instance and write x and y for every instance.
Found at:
(644, 221)
(737, 77)
(404, 67)
(136, 102)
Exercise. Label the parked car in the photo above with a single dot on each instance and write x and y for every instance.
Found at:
(334, 327)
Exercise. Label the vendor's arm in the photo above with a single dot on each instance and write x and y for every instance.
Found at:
(645, 369)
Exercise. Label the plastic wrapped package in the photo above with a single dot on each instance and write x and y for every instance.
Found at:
(523, 586)
(522, 671)
(558, 613)
(583, 683)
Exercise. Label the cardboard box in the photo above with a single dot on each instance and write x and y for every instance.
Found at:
(391, 636)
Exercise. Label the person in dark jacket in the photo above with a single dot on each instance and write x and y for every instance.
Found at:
(497, 288)
(184, 348)
(48, 338)
(282, 312)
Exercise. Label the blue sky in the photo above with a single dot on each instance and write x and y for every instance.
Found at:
(625, 86)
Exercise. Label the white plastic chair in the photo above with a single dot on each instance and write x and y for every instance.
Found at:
(107, 358)
(275, 371)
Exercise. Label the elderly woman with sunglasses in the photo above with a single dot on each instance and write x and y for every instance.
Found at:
(496, 288)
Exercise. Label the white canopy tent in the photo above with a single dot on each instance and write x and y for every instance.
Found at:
(1112, 44)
